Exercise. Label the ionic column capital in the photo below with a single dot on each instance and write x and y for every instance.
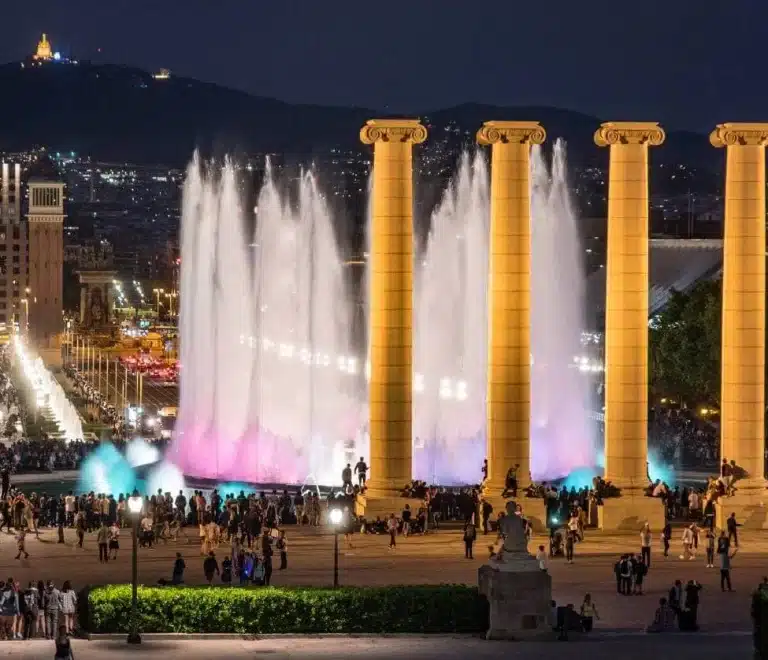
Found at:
(629, 132)
(393, 130)
(739, 135)
(511, 132)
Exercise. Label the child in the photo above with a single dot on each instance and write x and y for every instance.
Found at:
(541, 557)
(21, 544)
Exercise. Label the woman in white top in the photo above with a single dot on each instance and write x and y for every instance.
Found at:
(68, 600)
(114, 543)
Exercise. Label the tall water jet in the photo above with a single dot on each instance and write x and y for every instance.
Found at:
(451, 332)
(561, 437)
(268, 388)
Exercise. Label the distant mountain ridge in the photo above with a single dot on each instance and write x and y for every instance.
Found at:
(124, 114)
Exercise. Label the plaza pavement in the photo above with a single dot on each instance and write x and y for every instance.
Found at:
(679, 647)
(432, 559)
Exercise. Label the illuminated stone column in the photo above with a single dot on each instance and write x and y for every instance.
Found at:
(509, 302)
(626, 323)
(391, 304)
(742, 405)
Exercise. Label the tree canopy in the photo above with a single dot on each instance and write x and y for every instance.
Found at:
(685, 346)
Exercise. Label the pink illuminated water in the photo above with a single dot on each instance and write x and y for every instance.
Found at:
(269, 392)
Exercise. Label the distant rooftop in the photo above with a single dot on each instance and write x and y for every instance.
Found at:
(674, 264)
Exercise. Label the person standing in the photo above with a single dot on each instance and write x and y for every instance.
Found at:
(114, 540)
(226, 571)
(588, 613)
(710, 540)
(541, 557)
(266, 551)
(569, 543)
(52, 606)
(725, 567)
(178, 570)
(282, 546)
(470, 534)
(9, 609)
(68, 602)
(102, 539)
(666, 536)
(31, 610)
(346, 477)
(732, 526)
(210, 567)
(645, 544)
(687, 540)
(361, 469)
(392, 529)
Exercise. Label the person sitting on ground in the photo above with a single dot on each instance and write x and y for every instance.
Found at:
(664, 619)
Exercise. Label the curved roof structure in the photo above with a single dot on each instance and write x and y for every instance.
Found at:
(674, 264)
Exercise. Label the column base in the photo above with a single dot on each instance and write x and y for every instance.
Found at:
(382, 505)
(630, 512)
(749, 503)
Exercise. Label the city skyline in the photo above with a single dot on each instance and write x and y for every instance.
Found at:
(348, 55)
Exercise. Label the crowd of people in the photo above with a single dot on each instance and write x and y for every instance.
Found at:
(682, 439)
(39, 610)
(100, 410)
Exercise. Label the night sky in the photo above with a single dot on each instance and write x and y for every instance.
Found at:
(687, 63)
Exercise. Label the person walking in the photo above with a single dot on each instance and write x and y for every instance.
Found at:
(63, 645)
(21, 544)
(588, 613)
(687, 539)
(470, 534)
(645, 544)
(666, 536)
(570, 541)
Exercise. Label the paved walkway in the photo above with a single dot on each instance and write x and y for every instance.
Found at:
(425, 648)
(432, 559)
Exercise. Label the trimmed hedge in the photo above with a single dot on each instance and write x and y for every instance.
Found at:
(264, 610)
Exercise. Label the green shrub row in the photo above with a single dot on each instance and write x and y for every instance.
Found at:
(403, 609)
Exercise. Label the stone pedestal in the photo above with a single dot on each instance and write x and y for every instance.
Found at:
(630, 512)
(520, 598)
(750, 504)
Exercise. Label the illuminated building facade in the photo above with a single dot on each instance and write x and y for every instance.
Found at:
(45, 227)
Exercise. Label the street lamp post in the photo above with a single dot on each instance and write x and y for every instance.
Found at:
(134, 506)
(335, 516)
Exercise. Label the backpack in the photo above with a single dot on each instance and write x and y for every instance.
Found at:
(30, 600)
